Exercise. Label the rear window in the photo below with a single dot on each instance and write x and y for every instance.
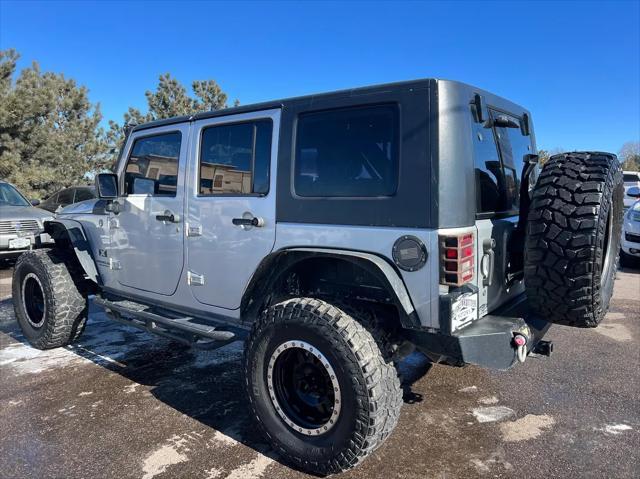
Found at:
(499, 161)
(349, 152)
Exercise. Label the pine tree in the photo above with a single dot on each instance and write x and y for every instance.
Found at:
(49, 134)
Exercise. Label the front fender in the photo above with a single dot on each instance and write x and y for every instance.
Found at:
(69, 234)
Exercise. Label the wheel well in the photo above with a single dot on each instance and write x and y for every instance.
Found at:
(338, 278)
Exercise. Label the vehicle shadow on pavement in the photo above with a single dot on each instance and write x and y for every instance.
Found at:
(204, 385)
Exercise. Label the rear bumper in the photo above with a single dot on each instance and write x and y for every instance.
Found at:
(488, 342)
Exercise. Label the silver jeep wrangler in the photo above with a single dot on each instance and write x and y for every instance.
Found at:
(337, 232)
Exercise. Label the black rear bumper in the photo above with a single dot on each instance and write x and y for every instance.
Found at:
(487, 342)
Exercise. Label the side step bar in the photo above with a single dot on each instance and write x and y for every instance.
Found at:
(182, 329)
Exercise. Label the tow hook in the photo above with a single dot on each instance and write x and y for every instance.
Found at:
(520, 342)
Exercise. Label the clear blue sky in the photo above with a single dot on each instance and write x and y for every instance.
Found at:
(575, 65)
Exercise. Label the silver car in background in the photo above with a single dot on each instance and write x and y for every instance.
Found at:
(21, 224)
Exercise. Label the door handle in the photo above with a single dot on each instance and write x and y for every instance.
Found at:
(255, 221)
(168, 217)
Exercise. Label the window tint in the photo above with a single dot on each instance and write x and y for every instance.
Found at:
(513, 146)
(153, 165)
(235, 159)
(499, 157)
(65, 197)
(489, 177)
(347, 153)
(51, 200)
(83, 194)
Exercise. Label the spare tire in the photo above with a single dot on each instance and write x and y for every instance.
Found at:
(573, 238)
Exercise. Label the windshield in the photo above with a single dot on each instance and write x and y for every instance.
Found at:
(9, 196)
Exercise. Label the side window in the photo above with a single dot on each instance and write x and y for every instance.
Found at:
(83, 194)
(235, 159)
(65, 197)
(350, 152)
(51, 200)
(152, 167)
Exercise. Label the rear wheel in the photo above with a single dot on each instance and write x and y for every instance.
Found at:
(573, 238)
(320, 385)
(50, 309)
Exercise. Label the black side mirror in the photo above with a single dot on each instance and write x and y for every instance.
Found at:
(107, 186)
(633, 192)
(35, 202)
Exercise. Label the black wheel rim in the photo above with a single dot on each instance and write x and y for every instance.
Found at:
(33, 300)
(304, 388)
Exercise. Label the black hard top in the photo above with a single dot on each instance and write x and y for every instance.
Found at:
(282, 103)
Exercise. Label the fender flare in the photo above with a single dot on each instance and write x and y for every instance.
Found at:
(69, 234)
(273, 266)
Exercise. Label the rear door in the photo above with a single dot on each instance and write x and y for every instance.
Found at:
(232, 181)
(499, 160)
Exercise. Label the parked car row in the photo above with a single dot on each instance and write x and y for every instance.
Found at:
(630, 245)
(631, 179)
(21, 223)
(67, 196)
(22, 220)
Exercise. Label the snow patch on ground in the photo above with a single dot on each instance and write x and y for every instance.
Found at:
(229, 353)
(615, 331)
(488, 400)
(616, 429)
(104, 342)
(492, 413)
(159, 460)
(213, 473)
(468, 389)
(528, 427)
(253, 470)
(131, 388)
(220, 438)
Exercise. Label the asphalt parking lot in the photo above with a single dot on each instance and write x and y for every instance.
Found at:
(121, 403)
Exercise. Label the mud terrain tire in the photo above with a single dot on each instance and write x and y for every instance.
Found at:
(48, 305)
(367, 380)
(573, 238)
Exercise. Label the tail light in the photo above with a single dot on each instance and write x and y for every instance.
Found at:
(457, 259)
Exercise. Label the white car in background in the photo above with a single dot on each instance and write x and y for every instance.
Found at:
(631, 179)
(630, 245)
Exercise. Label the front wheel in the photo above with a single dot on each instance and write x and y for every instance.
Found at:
(50, 309)
(320, 385)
